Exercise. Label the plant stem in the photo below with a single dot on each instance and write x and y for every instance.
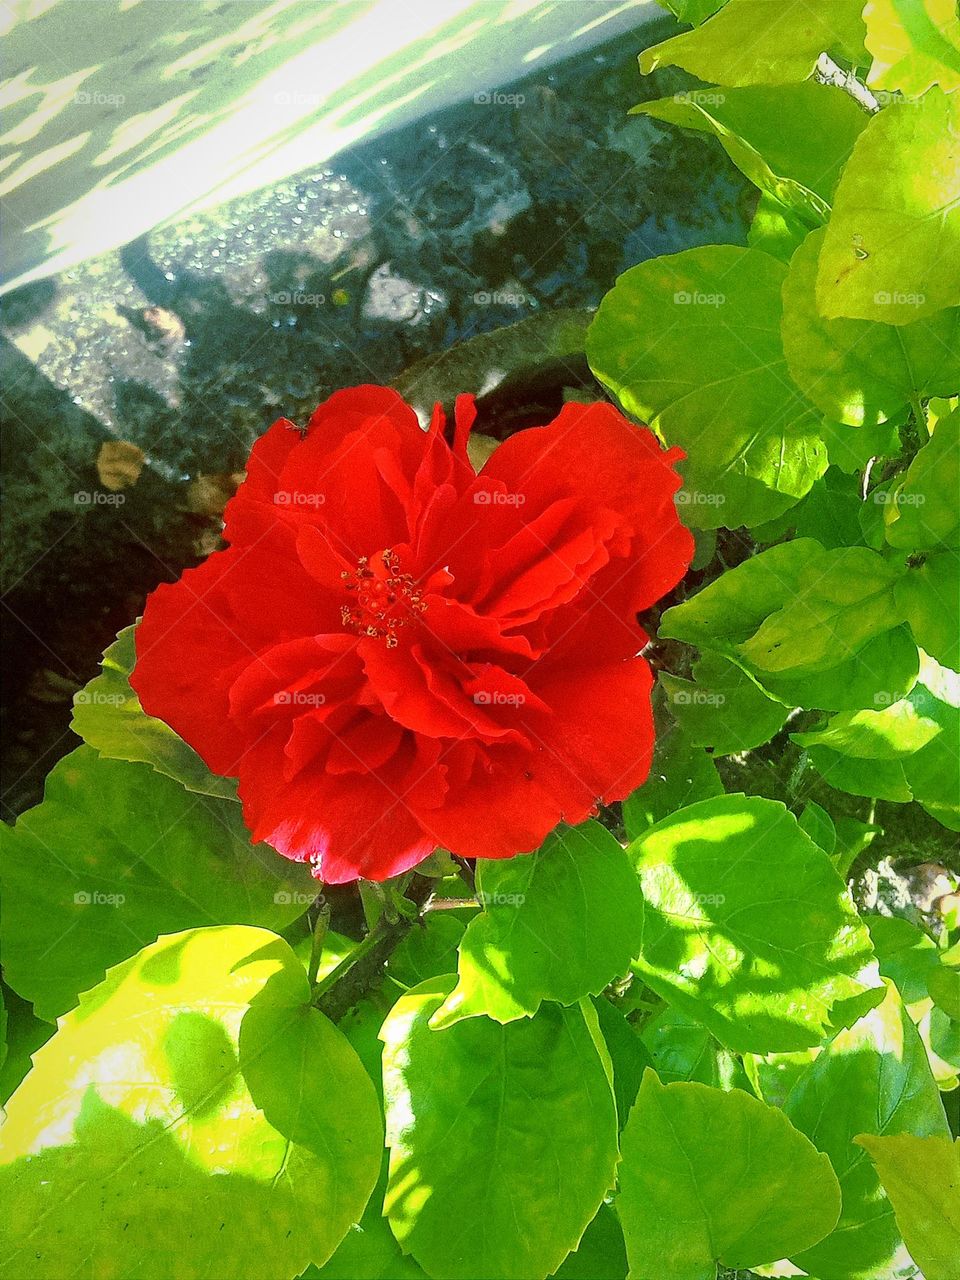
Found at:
(320, 927)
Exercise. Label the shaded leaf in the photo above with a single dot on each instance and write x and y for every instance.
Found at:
(127, 854)
(538, 1161)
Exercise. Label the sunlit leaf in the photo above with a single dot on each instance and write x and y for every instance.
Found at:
(913, 45)
(892, 247)
(921, 1176)
(871, 1078)
(711, 1177)
(859, 372)
(521, 950)
(747, 927)
(766, 133)
(764, 41)
(691, 343)
(194, 1116)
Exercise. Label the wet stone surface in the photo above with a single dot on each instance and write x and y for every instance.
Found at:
(189, 342)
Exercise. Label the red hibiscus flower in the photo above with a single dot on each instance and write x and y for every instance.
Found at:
(396, 653)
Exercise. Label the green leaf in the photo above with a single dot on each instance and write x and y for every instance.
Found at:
(493, 366)
(907, 751)
(921, 1176)
(491, 1173)
(842, 600)
(683, 1049)
(747, 925)
(679, 775)
(818, 825)
(692, 12)
(922, 512)
(628, 1055)
(712, 1177)
(691, 343)
(892, 247)
(851, 448)
(722, 707)
(872, 1078)
(427, 951)
(905, 954)
(890, 734)
(730, 610)
(107, 715)
(914, 46)
(830, 513)
(943, 983)
(193, 1116)
(766, 133)
(860, 372)
(116, 855)
(927, 594)
(601, 1254)
(775, 229)
(764, 41)
(558, 924)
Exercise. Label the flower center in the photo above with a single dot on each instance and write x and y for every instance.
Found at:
(386, 599)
